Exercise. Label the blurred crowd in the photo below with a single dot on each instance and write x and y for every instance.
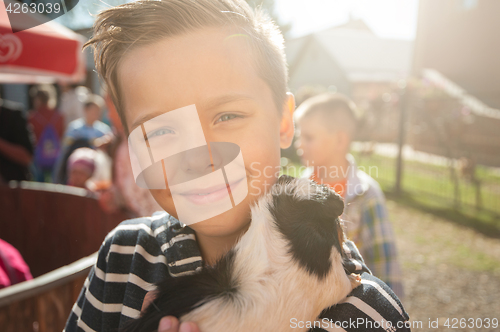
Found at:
(74, 137)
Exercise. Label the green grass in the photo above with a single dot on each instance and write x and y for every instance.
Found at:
(472, 260)
(430, 188)
(485, 222)
(425, 239)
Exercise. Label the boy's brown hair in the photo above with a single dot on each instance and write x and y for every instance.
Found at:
(94, 100)
(119, 29)
(46, 93)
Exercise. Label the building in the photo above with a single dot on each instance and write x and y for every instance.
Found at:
(350, 58)
(459, 38)
(456, 52)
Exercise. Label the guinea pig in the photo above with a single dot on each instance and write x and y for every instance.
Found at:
(289, 264)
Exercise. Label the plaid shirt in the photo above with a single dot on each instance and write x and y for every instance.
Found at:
(369, 227)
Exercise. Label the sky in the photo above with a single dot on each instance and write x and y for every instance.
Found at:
(387, 18)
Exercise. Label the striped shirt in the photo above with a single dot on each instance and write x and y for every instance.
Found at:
(141, 252)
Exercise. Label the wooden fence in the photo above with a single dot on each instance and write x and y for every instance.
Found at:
(53, 227)
(44, 303)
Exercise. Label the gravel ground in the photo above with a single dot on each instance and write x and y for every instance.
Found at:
(449, 271)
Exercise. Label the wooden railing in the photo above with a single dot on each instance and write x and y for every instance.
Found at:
(44, 303)
(53, 227)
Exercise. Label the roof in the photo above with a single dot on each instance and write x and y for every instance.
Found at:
(475, 105)
(360, 53)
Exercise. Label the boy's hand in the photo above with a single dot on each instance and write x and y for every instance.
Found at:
(171, 324)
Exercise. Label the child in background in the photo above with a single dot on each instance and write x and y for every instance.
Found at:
(89, 126)
(88, 131)
(327, 124)
(81, 167)
(124, 193)
(48, 127)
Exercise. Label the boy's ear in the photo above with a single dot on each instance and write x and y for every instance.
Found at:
(286, 126)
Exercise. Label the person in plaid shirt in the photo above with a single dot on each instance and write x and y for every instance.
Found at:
(326, 123)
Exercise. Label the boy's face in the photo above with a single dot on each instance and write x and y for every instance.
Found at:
(38, 103)
(315, 141)
(77, 177)
(214, 71)
(92, 113)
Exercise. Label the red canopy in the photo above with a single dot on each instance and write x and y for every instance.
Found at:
(45, 53)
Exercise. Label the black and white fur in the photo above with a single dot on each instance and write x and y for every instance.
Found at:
(289, 264)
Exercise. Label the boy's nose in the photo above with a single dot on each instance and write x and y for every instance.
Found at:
(197, 161)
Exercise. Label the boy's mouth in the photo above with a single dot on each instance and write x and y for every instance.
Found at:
(208, 195)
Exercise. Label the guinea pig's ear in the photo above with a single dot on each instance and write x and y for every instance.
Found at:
(333, 202)
(333, 206)
(308, 218)
(285, 179)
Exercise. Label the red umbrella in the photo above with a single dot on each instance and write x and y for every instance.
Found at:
(46, 53)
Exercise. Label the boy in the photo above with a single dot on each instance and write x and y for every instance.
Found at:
(327, 123)
(81, 132)
(81, 166)
(89, 126)
(158, 57)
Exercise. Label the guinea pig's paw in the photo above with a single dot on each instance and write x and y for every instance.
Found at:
(355, 280)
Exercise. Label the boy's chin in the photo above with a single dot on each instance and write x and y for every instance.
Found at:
(228, 223)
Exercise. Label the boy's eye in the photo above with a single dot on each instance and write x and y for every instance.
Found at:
(160, 132)
(227, 117)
